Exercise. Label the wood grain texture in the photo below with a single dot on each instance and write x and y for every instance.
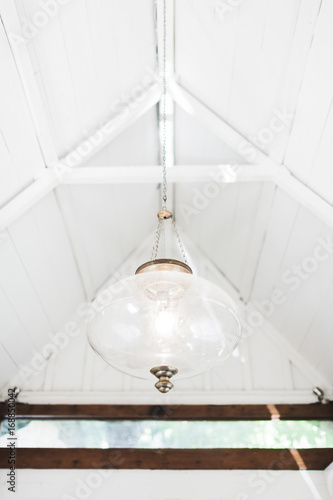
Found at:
(169, 459)
(173, 412)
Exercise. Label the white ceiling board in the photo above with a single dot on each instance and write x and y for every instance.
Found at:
(20, 155)
(196, 145)
(109, 223)
(8, 367)
(38, 280)
(41, 241)
(242, 64)
(300, 379)
(317, 343)
(321, 176)
(267, 361)
(143, 139)
(290, 261)
(272, 76)
(279, 228)
(228, 238)
(304, 292)
(70, 356)
(91, 58)
(21, 294)
(199, 42)
(314, 103)
(15, 338)
(308, 12)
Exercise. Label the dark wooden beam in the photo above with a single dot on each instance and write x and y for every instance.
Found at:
(314, 411)
(176, 459)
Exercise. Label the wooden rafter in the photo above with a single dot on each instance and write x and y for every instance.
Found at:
(170, 459)
(314, 411)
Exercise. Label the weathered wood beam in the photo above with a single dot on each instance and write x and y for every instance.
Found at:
(315, 411)
(169, 459)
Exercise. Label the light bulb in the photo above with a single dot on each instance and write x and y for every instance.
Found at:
(164, 323)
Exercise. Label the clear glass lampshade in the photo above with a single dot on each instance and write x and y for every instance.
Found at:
(164, 318)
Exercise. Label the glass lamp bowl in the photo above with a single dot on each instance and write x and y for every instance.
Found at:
(164, 317)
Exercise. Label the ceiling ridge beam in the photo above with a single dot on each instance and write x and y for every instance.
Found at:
(282, 177)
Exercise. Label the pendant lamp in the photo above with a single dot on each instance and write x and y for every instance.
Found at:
(164, 321)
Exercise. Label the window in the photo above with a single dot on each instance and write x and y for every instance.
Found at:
(275, 434)
(284, 437)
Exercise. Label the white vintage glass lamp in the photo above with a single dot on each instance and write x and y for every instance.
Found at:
(164, 321)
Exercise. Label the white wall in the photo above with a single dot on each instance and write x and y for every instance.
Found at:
(167, 485)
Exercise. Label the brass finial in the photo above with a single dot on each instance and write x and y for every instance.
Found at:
(164, 373)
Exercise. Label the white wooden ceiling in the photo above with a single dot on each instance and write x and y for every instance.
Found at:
(232, 72)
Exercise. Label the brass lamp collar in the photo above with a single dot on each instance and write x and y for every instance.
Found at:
(164, 265)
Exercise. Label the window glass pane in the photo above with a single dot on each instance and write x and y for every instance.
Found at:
(166, 434)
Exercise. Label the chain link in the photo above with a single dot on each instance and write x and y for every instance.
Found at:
(180, 243)
(157, 240)
(164, 141)
(164, 156)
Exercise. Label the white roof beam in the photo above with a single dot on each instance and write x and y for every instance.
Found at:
(223, 174)
(28, 198)
(147, 98)
(180, 173)
(282, 177)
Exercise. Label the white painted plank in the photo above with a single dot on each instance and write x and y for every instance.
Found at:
(300, 381)
(48, 52)
(289, 91)
(229, 375)
(266, 360)
(304, 296)
(142, 135)
(321, 175)
(246, 61)
(317, 342)
(273, 55)
(14, 336)
(16, 127)
(75, 28)
(41, 242)
(8, 366)
(196, 145)
(256, 239)
(245, 223)
(11, 12)
(315, 98)
(194, 209)
(200, 36)
(96, 212)
(21, 293)
(278, 232)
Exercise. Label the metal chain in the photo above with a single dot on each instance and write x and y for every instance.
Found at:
(180, 243)
(157, 240)
(164, 142)
(164, 156)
